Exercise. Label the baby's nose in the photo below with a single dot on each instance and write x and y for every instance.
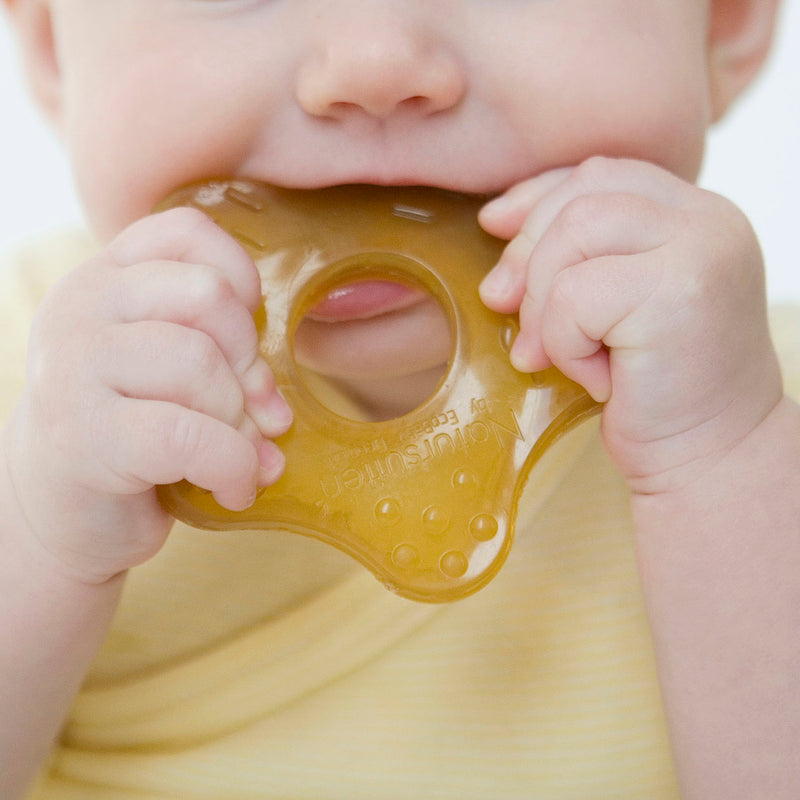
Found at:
(379, 64)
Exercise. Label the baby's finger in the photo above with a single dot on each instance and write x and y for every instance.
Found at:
(601, 175)
(202, 298)
(586, 305)
(154, 360)
(263, 401)
(504, 215)
(529, 209)
(187, 235)
(503, 288)
(155, 442)
(192, 295)
(591, 227)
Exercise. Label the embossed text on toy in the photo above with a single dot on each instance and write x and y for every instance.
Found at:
(444, 436)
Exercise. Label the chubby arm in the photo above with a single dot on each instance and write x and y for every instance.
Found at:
(143, 368)
(52, 625)
(720, 566)
(649, 292)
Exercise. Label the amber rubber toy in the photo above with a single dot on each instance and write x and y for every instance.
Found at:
(426, 501)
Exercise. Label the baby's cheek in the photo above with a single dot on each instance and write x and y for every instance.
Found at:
(129, 149)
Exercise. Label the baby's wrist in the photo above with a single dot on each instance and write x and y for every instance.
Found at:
(766, 455)
(33, 530)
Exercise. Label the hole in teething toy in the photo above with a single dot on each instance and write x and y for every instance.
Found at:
(372, 347)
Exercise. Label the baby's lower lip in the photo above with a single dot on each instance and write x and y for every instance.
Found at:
(364, 299)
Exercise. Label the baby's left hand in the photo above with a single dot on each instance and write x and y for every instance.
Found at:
(650, 293)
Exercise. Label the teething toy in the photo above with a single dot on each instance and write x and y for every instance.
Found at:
(426, 501)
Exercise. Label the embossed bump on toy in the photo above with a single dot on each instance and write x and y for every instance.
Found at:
(426, 501)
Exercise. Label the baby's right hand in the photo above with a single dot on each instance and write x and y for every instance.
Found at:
(143, 369)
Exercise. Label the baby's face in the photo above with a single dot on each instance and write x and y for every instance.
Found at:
(473, 95)
(465, 94)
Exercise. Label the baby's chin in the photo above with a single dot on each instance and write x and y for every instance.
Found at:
(387, 363)
(374, 400)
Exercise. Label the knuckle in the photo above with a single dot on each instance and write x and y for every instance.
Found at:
(734, 258)
(172, 233)
(743, 238)
(230, 400)
(579, 215)
(101, 343)
(561, 300)
(247, 359)
(594, 172)
(249, 459)
(182, 438)
(187, 220)
(210, 290)
(202, 353)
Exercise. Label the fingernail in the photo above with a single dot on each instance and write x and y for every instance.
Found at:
(279, 410)
(497, 207)
(497, 283)
(251, 498)
(273, 416)
(520, 355)
(272, 463)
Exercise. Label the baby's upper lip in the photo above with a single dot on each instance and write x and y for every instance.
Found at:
(408, 179)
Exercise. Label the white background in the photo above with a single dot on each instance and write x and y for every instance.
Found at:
(752, 158)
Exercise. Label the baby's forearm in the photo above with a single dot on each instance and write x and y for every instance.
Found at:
(51, 625)
(720, 563)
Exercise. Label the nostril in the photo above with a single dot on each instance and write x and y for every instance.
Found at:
(417, 103)
(340, 108)
(379, 107)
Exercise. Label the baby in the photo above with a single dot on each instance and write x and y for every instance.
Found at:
(261, 665)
